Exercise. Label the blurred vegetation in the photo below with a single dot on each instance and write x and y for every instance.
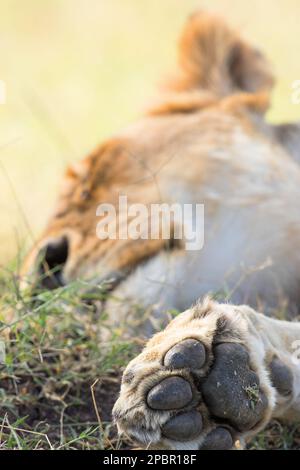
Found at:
(77, 71)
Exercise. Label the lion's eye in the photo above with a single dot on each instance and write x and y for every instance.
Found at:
(85, 195)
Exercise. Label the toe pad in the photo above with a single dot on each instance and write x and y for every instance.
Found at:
(190, 353)
(281, 376)
(218, 439)
(171, 393)
(184, 426)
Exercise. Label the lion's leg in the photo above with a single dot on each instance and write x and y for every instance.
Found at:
(212, 379)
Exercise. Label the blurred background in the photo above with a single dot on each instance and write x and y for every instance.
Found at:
(76, 71)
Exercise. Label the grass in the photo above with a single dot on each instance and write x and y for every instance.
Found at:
(76, 72)
(60, 380)
(253, 395)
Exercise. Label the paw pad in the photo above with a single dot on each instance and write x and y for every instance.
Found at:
(218, 439)
(231, 390)
(183, 427)
(187, 354)
(282, 377)
(171, 393)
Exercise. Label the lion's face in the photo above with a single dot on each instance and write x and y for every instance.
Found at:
(71, 247)
(166, 157)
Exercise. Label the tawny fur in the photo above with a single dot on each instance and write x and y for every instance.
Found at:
(204, 140)
(263, 337)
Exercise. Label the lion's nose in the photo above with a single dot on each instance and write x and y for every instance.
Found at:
(53, 259)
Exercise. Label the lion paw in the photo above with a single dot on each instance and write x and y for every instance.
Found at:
(197, 385)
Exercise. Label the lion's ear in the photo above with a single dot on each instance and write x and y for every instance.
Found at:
(213, 57)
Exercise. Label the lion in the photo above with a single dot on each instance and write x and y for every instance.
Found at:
(220, 371)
